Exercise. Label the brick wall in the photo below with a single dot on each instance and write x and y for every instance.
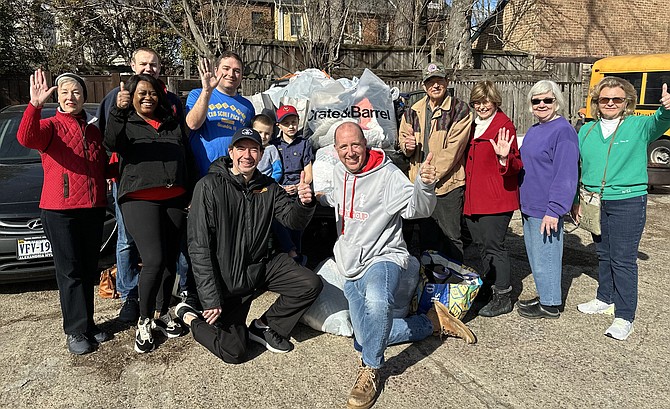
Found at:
(580, 29)
(240, 21)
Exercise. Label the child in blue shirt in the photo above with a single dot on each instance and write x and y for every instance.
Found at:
(297, 155)
(270, 163)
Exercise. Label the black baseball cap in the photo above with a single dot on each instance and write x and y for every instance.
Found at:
(246, 133)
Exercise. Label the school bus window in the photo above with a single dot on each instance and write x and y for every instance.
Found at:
(655, 81)
(635, 78)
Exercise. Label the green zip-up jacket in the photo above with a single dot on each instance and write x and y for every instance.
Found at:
(627, 167)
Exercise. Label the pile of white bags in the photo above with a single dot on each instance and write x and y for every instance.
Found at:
(323, 103)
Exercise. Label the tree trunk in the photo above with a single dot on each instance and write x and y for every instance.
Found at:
(403, 23)
(457, 43)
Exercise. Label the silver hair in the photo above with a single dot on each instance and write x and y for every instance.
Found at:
(542, 87)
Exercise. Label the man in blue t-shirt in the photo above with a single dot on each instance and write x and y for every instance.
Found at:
(215, 111)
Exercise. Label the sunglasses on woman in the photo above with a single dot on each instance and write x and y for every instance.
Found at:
(547, 101)
(606, 100)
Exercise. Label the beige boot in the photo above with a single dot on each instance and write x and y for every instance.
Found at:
(452, 326)
(364, 392)
(435, 320)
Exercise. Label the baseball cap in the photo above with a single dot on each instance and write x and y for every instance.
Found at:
(246, 133)
(75, 77)
(285, 111)
(434, 69)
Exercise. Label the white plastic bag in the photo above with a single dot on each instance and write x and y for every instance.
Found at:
(368, 102)
(330, 311)
(322, 169)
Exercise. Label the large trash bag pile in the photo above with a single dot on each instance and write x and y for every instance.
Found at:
(323, 103)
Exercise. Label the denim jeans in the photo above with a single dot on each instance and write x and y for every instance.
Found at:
(127, 256)
(371, 303)
(545, 255)
(621, 225)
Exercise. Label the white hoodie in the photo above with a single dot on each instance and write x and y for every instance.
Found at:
(368, 209)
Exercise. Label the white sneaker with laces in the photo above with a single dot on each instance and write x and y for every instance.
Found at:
(620, 329)
(595, 306)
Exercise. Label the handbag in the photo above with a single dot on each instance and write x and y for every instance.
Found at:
(589, 202)
(589, 205)
(107, 288)
(447, 281)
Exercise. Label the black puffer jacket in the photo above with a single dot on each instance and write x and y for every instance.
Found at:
(229, 227)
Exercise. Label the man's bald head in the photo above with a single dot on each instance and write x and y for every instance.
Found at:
(351, 146)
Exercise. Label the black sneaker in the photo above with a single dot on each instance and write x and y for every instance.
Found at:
(168, 326)
(98, 336)
(79, 344)
(267, 337)
(184, 308)
(144, 340)
(130, 311)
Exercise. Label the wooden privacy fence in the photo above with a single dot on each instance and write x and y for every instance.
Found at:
(513, 86)
(514, 95)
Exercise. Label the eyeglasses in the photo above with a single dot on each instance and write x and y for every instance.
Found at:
(547, 101)
(606, 100)
(473, 103)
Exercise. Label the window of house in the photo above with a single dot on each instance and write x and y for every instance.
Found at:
(384, 32)
(256, 18)
(296, 24)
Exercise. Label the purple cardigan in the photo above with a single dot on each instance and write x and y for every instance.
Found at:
(550, 155)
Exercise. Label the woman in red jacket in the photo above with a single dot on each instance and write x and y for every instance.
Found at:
(492, 192)
(73, 200)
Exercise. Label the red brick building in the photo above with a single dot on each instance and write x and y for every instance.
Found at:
(578, 30)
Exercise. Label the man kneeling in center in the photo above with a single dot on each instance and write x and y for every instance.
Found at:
(229, 227)
(371, 196)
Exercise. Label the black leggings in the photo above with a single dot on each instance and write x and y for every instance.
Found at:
(156, 227)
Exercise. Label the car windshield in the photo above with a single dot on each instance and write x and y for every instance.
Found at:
(11, 151)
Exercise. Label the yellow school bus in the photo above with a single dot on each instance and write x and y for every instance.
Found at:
(647, 73)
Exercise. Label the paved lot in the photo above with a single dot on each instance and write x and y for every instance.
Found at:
(517, 363)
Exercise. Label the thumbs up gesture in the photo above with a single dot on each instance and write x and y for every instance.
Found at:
(427, 171)
(304, 190)
(123, 97)
(665, 97)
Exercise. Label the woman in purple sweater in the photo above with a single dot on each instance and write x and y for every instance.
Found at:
(550, 155)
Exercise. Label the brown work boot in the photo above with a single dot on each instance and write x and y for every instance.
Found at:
(452, 326)
(435, 320)
(364, 392)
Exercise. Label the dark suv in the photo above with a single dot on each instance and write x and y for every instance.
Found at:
(25, 253)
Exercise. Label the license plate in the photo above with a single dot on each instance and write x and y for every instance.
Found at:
(33, 247)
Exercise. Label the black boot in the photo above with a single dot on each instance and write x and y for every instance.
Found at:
(500, 303)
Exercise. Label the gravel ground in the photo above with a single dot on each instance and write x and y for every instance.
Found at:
(517, 363)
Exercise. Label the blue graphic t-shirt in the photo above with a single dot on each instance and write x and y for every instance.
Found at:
(225, 115)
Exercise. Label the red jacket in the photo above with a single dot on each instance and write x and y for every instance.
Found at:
(73, 159)
(491, 188)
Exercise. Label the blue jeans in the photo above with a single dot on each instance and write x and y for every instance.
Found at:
(127, 256)
(621, 225)
(371, 303)
(545, 255)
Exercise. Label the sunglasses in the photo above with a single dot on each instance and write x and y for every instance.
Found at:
(606, 100)
(547, 101)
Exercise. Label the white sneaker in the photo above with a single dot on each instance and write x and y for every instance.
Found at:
(620, 329)
(595, 306)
